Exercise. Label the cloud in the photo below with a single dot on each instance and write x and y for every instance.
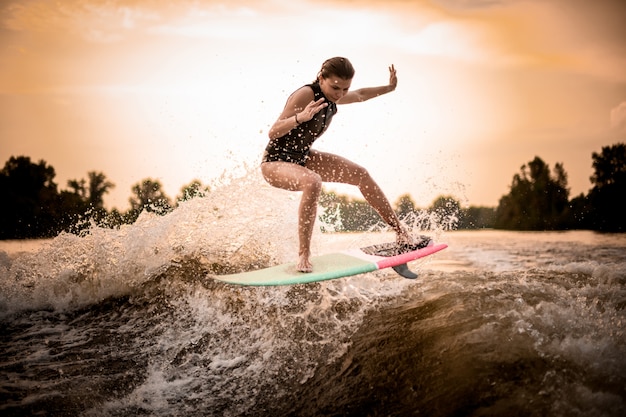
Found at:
(584, 38)
(212, 21)
(94, 21)
(618, 117)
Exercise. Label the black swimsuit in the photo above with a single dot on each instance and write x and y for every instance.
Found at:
(294, 146)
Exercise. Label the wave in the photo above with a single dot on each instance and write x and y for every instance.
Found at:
(230, 229)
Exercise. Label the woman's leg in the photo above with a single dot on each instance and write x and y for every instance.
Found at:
(293, 177)
(334, 168)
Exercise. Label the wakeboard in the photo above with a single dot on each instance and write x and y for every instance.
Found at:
(340, 264)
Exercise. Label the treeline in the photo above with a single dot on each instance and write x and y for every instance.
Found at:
(538, 199)
(36, 208)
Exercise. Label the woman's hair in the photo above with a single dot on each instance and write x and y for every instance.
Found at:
(337, 66)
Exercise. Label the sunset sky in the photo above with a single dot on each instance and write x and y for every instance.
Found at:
(188, 89)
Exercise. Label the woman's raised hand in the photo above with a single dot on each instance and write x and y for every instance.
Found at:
(311, 110)
(393, 79)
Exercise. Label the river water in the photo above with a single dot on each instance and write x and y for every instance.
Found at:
(128, 322)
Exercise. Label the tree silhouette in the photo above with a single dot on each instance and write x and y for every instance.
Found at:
(192, 190)
(405, 206)
(347, 214)
(477, 217)
(149, 195)
(78, 187)
(98, 187)
(447, 210)
(606, 198)
(609, 166)
(537, 200)
(93, 194)
(31, 199)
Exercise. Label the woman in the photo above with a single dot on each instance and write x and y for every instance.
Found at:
(290, 163)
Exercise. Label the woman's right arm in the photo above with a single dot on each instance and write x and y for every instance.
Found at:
(300, 108)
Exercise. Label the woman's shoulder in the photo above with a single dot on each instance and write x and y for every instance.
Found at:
(304, 93)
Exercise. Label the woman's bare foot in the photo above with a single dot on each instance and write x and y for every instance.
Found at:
(304, 264)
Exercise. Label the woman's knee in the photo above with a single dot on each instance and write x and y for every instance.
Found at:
(312, 184)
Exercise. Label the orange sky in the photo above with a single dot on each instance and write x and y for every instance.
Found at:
(188, 89)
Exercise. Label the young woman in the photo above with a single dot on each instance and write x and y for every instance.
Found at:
(290, 163)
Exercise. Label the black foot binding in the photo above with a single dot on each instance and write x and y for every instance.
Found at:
(403, 270)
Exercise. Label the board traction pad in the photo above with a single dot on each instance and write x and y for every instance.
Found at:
(393, 248)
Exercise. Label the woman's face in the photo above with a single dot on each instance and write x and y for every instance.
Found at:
(334, 87)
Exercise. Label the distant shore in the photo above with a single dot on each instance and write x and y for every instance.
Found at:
(14, 246)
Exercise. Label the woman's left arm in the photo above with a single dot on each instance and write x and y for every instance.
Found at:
(363, 94)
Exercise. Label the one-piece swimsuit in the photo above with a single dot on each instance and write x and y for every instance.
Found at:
(296, 144)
